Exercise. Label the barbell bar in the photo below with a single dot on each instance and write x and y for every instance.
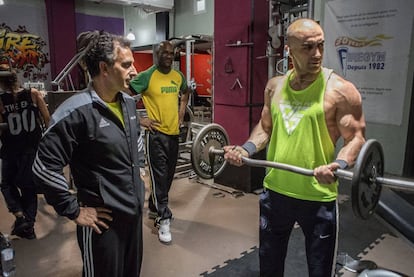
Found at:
(366, 177)
(295, 169)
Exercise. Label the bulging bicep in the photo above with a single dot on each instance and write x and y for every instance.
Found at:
(350, 116)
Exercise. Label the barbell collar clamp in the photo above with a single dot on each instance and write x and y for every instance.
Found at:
(215, 151)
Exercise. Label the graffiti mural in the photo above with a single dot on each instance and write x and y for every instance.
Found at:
(24, 51)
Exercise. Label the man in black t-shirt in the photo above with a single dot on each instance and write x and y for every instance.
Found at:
(24, 113)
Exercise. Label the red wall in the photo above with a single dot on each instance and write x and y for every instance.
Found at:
(240, 35)
(201, 70)
(62, 36)
(142, 61)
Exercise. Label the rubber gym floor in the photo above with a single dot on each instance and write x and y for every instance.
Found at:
(214, 234)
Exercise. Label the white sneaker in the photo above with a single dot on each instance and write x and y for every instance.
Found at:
(164, 234)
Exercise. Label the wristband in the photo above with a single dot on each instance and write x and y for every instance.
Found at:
(342, 163)
(249, 147)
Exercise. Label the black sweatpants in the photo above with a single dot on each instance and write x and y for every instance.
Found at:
(17, 186)
(115, 252)
(319, 223)
(162, 155)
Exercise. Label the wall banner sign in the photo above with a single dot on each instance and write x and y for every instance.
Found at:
(368, 43)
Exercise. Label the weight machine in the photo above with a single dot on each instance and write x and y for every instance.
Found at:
(281, 14)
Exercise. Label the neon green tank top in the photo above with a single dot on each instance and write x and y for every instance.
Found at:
(300, 137)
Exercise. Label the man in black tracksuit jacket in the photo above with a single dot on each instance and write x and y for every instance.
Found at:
(96, 132)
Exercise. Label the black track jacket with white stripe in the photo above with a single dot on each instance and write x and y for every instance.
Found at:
(104, 156)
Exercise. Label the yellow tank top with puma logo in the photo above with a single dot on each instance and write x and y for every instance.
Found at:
(160, 95)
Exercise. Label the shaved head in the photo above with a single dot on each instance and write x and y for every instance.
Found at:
(302, 28)
(305, 45)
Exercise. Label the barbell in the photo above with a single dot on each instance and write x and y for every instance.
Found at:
(207, 157)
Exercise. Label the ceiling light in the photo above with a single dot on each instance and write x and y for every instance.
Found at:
(130, 35)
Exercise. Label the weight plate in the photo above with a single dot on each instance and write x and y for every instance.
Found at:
(211, 135)
(365, 190)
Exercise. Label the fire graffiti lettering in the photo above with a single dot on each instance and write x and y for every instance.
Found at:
(24, 50)
(360, 42)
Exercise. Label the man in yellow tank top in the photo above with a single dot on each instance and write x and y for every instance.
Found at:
(305, 113)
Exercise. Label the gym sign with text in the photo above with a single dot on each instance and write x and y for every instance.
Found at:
(351, 56)
(24, 51)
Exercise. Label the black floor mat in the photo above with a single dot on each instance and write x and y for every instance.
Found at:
(354, 236)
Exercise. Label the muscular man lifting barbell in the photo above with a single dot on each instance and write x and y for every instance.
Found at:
(207, 156)
(304, 115)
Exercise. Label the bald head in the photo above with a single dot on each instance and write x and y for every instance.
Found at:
(305, 45)
(165, 56)
(302, 28)
(163, 45)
